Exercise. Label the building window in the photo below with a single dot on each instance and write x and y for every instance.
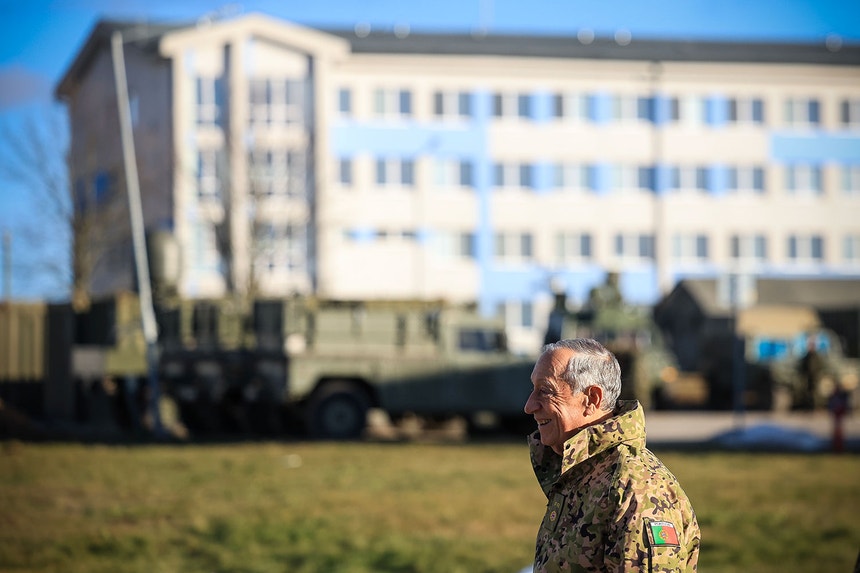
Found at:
(104, 188)
(570, 107)
(453, 173)
(849, 113)
(518, 313)
(688, 110)
(277, 101)
(746, 110)
(626, 178)
(395, 172)
(279, 173)
(570, 176)
(344, 102)
(513, 175)
(513, 247)
(210, 101)
(746, 179)
(452, 105)
(205, 255)
(628, 108)
(512, 105)
(281, 247)
(634, 246)
(850, 177)
(803, 179)
(454, 244)
(851, 249)
(806, 248)
(572, 247)
(802, 112)
(395, 235)
(209, 171)
(688, 178)
(749, 247)
(690, 247)
(344, 172)
(392, 103)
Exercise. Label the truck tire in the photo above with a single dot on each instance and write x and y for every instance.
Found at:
(337, 411)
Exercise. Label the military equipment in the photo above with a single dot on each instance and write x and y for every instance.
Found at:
(777, 341)
(647, 369)
(311, 363)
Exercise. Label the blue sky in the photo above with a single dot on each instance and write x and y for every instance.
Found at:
(39, 38)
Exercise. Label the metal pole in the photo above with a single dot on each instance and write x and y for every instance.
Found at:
(7, 265)
(738, 353)
(150, 328)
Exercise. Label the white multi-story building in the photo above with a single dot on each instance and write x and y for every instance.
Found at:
(472, 168)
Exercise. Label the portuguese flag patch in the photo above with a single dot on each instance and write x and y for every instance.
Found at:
(662, 533)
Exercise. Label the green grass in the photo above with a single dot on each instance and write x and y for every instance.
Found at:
(362, 507)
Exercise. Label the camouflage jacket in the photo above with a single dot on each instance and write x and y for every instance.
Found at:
(612, 505)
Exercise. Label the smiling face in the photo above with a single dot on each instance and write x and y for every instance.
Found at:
(557, 409)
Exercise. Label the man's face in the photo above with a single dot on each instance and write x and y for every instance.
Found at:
(558, 411)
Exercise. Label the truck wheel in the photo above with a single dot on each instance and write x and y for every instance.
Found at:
(337, 411)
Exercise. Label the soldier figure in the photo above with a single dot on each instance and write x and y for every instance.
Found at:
(607, 295)
(612, 505)
(811, 368)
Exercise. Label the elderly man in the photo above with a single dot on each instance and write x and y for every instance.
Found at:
(612, 505)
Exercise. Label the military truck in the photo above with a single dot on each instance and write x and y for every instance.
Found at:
(793, 362)
(325, 363)
(648, 370)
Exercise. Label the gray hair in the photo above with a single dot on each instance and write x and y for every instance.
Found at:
(590, 365)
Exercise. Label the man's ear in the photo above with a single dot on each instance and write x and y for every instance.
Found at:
(594, 399)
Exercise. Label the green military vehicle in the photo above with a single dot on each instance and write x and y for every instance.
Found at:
(326, 363)
(792, 361)
(648, 370)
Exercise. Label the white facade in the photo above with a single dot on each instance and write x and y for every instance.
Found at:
(308, 161)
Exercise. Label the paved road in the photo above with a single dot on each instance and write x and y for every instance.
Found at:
(802, 431)
(702, 427)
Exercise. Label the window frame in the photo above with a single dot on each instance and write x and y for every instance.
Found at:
(805, 248)
(802, 112)
(394, 172)
(748, 247)
(389, 103)
(573, 247)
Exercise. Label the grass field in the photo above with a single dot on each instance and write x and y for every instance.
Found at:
(362, 507)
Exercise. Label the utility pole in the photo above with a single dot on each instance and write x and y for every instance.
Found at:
(7, 265)
(147, 313)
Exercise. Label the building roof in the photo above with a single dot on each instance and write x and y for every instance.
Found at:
(143, 35)
(542, 46)
(823, 294)
(146, 35)
(820, 294)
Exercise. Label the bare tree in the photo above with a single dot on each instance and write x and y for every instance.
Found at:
(72, 226)
(34, 163)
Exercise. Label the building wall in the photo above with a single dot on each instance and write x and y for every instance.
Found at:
(714, 144)
(219, 227)
(407, 203)
(96, 162)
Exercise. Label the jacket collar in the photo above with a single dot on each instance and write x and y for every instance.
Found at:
(627, 425)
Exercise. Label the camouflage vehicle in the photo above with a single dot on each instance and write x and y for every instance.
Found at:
(322, 364)
(430, 359)
(648, 369)
(777, 343)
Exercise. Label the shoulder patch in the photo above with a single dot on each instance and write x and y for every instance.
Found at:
(662, 534)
